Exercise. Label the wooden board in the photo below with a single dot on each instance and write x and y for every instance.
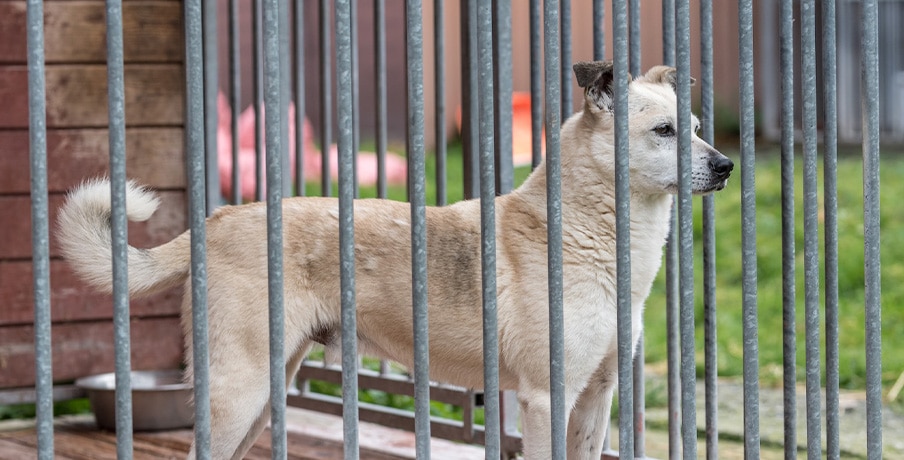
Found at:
(75, 32)
(15, 236)
(86, 348)
(77, 95)
(155, 157)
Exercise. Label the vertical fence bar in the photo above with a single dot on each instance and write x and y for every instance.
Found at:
(536, 86)
(685, 231)
(789, 326)
(565, 59)
(469, 99)
(710, 353)
(623, 228)
(285, 94)
(40, 232)
(869, 77)
(209, 10)
(558, 422)
(326, 98)
(830, 183)
(748, 234)
(356, 92)
(484, 39)
(345, 109)
(439, 76)
(599, 30)
(502, 72)
(638, 349)
(417, 196)
(194, 146)
(811, 228)
(257, 32)
(300, 110)
(235, 98)
(275, 118)
(119, 228)
(380, 104)
(673, 344)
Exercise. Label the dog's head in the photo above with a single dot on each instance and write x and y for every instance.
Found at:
(653, 129)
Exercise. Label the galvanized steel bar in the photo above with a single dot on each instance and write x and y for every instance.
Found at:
(789, 322)
(273, 92)
(502, 89)
(119, 228)
(869, 80)
(559, 417)
(40, 228)
(830, 209)
(194, 147)
(211, 116)
(748, 233)
(285, 87)
(673, 343)
(536, 86)
(639, 424)
(235, 98)
(634, 36)
(470, 130)
(326, 98)
(484, 39)
(439, 83)
(380, 81)
(599, 30)
(710, 352)
(345, 109)
(811, 227)
(685, 231)
(623, 229)
(300, 110)
(257, 47)
(356, 92)
(565, 59)
(418, 197)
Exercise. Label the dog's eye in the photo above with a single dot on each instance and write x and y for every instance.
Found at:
(664, 130)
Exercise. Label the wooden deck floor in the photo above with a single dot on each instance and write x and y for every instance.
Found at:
(311, 436)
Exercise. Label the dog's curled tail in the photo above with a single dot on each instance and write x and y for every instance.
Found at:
(83, 229)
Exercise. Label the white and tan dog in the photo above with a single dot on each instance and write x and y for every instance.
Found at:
(237, 261)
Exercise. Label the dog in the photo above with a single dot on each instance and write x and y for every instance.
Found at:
(237, 272)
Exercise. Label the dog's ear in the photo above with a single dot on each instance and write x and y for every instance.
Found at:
(664, 74)
(596, 79)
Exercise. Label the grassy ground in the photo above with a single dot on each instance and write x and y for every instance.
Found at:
(769, 275)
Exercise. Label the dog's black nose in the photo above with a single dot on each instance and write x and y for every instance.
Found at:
(721, 165)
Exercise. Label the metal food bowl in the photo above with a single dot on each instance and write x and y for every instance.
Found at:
(160, 400)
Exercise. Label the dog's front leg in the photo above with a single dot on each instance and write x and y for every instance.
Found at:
(590, 416)
(535, 424)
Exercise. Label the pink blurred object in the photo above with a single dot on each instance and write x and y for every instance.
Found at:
(396, 166)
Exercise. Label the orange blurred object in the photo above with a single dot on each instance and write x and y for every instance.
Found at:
(521, 129)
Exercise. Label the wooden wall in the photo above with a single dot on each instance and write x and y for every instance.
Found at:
(77, 145)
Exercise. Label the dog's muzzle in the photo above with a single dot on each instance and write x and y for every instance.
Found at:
(720, 167)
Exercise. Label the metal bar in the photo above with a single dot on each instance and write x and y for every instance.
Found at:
(418, 199)
(789, 327)
(356, 92)
(710, 352)
(211, 88)
(536, 86)
(469, 99)
(484, 39)
(869, 78)
(502, 72)
(380, 105)
(439, 75)
(235, 98)
(565, 63)
(599, 30)
(300, 110)
(558, 408)
(326, 98)
(673, 344)
(194, 146)
(623, 228)
(257, 26)
(345, 111)
(639, 424)
(273, 92)
(830, 196)
(685, 231)
(748, 233)
(119, 229)
(811, 228)
(285, 87)
(634, 36)
(40, 228)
